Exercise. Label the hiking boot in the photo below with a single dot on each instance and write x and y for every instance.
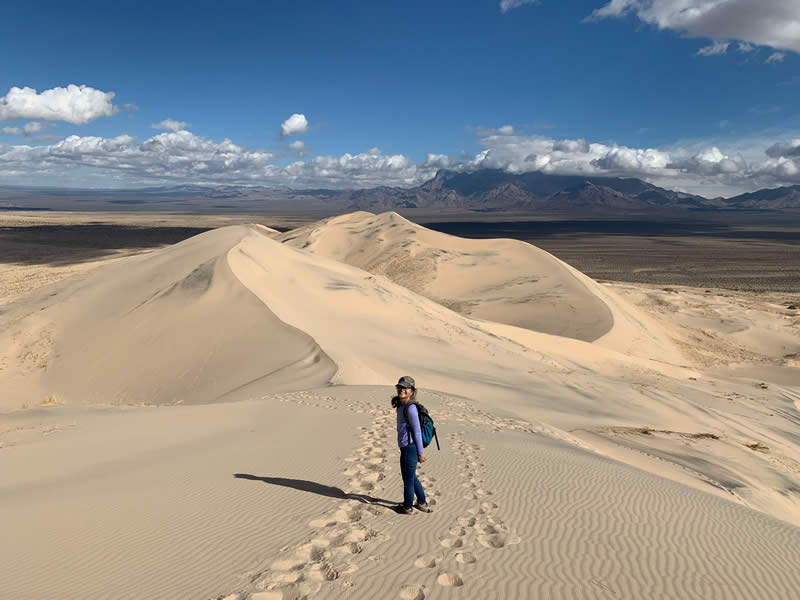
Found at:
(403, 510)
(423, 507)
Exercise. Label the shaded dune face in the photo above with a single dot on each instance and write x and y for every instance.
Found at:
(172, 326)
(505, 281)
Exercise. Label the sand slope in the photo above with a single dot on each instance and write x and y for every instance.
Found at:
(206, 502)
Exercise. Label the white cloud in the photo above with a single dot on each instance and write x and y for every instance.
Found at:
(744, 47)
(503, 130)
(182, 156)
(773, 23)
(171, 125)
(714, 49)
(32, 127)
(300, 148)
(726, 166)
(775, 57)
(178, 155)
(749, 164)
(711, 161)
(507, 5)
(440, 161)
(75, 104)
(367, 169)
(27, 130)
(297, 123)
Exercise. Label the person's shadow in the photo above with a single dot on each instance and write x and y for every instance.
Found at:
(317, 488)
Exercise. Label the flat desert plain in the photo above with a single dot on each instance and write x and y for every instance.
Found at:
(199, 407)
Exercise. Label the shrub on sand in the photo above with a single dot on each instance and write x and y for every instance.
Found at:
(51, 400)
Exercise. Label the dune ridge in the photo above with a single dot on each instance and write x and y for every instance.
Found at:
(499, 280)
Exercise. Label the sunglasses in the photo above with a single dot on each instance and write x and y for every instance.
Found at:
(401, 387)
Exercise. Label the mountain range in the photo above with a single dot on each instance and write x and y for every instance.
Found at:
(485, 190)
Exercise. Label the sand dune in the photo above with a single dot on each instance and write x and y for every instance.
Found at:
(586, 452)
(170, 326)
(505, 281)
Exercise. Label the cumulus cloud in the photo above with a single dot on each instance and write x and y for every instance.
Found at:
(503, 130)
(507, 5)
(711, 161)
(791, 149)
(74, 104)
(300, 148)
(440, 161)
(699, 169)
(775, 57)
(171, 125)
(773, 23)
(367, 169)
(178, 155)
(295, 124)
(27, 130)
(181, 156)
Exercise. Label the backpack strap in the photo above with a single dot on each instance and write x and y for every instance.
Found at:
(410, 428)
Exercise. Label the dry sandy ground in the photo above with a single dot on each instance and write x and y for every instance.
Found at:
(216, 424)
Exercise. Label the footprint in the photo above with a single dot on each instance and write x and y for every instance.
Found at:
(452, 542)
(323, 571)
(449, 580)
(294, 563)
(290, 577)
(489, 529)
(498, 540)
(412, 592)
(465, 557)
(303, 590)
(323, 522)
(347, 515)
(426, 561)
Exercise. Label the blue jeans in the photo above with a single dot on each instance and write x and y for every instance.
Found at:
(408, 468)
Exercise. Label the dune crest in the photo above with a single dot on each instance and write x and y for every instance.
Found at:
(499, 280)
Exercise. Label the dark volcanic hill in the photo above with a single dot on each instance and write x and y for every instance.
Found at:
(496, 190)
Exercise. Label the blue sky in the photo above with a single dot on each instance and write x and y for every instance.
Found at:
(697, 95)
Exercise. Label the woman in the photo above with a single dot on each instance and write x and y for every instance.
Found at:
(409, 439)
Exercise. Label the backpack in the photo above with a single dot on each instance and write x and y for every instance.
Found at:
(428, 429)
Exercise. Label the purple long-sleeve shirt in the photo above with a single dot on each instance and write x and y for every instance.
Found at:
(402, 427)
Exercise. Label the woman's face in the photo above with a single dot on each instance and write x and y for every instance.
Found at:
(404, 393)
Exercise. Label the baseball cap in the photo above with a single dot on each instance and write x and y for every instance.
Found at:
(406, 382)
